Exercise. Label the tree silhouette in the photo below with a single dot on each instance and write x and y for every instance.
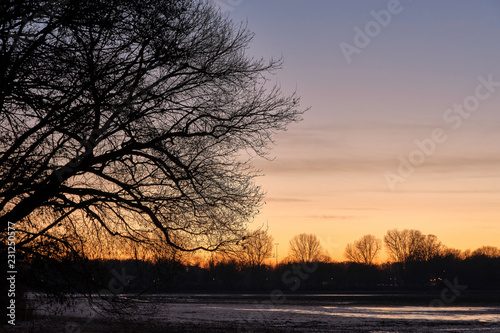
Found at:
(487, 251)
(364, 250)
(256, 247)
(403, 246)
(128, 118)
(411, 245)
(451, 253)
(430, 248)
(305, 248)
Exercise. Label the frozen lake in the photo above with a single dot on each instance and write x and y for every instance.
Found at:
(311, 313)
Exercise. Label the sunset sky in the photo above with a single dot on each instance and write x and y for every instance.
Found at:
(370, 101)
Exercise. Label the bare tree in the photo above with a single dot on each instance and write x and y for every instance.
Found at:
(403, 246)
(395, 242)
(487, 251)
(305, 248)
(257, 246)
(452, 253)
(430, 248)
(128, 118)
(411, 245)
(364, 250)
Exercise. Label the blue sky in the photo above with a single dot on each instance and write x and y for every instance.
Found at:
(328, 176)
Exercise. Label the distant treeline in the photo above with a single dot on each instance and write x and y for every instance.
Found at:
(478, 272)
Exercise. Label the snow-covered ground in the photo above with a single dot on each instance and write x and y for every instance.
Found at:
(263, 316)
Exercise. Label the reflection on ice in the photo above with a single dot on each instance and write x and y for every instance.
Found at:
(189, 308)
(481, 314)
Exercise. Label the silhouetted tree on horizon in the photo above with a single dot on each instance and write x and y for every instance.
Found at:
(256, 247)
(487, 251)
(430, 248)
(305, 248)
(364, 250)
(403, 246)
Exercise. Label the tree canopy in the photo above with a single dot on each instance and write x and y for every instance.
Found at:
(411, 245)
(257, 246)
(305, 248)
(364, 250)
(131, 118)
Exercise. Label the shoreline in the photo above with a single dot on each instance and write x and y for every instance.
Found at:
(255, 313)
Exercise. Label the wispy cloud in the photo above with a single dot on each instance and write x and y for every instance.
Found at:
(277, 199)
(333, 217)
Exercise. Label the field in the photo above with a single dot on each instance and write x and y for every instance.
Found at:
(256, 313)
